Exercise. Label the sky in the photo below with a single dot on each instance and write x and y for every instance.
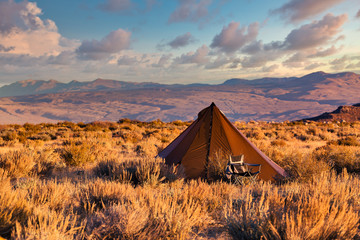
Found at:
(176, 41)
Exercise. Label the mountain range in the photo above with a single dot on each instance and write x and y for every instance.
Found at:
(265, 99)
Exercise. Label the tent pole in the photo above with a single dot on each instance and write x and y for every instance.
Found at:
(209, 140)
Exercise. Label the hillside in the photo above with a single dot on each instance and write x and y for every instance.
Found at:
(267, 99)
(31, 87)
(342, 113)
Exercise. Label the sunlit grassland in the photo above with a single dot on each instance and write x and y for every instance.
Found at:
(103, 181)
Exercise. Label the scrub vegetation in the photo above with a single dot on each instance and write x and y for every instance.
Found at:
(101, 181)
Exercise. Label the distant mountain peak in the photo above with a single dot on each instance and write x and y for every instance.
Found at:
(27, 82)
(342, 113)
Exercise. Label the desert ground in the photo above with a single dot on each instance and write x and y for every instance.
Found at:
(101, 180)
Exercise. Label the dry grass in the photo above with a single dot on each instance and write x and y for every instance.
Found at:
(102, 181)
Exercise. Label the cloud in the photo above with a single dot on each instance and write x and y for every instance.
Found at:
(313, 66)
(22, 31)
(164, 59)
(260, 58)
(96, 50)
(296, 61)
(190, 10)
(270, 68)
(297, 10)
(326, 52)
(64, 58)
(353, 66)
(127, 60)
(315, 34)
(6, 49)
(253, 47)
(200, 56)
(220, 61)
(181, 41)
(339, 63)
(115, 5)
(307, 41)
(22, 16)
(232, 38)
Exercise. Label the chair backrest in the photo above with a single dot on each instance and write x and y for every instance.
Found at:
(237, 163)
(239, 159)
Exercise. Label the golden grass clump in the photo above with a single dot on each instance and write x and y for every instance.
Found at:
(13, 205)
(79, 153)
(318, 211)
(339, 157)
(46, 224)
(18, 163)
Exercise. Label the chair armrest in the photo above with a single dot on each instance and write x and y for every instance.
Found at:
(252, 164)
(237, 163)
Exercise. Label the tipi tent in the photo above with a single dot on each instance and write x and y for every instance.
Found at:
(209, 133)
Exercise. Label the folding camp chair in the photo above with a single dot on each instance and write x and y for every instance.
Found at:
(240, 172)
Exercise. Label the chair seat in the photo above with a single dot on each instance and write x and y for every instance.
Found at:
(239, 172)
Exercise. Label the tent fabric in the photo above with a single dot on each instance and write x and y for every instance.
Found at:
(210, 133)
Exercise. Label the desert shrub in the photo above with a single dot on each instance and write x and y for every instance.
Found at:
(119, 221)
(94, 127)
(318, 211)
(46, 224)
(13, 206)
(129, 137)
(40, 136)
(77, 154)
(178, 123)
(53, 194)
(175, 217)
(147, 147)
(256, 133)
(46, 161)
(172, 173)
(18, 163)
(278, 142)
(347, 141)
(115, 169)
(217, 165)
(9, 135)
(339, 157)
(99, 194)
(148, 170)
(303, 167)
(32, 127)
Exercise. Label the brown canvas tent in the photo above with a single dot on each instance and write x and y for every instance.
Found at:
(209, 133)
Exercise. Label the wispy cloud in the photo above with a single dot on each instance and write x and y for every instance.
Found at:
(164, 60)
(298, 10)
(127, 60)
(115, 5)
(190, 10)
(325, 52)
(181, 41)
(6, 49)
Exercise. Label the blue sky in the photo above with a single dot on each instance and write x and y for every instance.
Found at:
(176, 41)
